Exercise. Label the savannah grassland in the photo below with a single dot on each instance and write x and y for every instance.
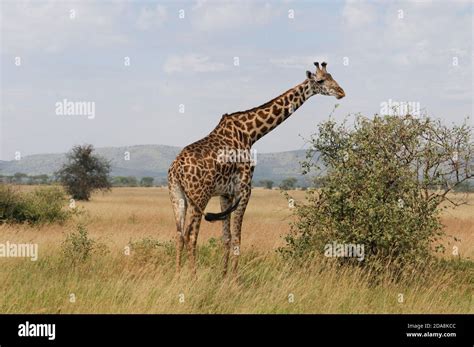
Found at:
(144, 282)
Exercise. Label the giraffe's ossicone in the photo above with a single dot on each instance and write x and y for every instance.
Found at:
(221, 164)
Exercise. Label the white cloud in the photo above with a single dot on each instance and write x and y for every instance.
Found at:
(298, 62)
(232, 15)
(192, 62)
(151, 17)
(457, 93)
(409, 59)
(426, 35)
(357, 13)
(47, 26)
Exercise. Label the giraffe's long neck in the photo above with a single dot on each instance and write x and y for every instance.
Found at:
(260, 121)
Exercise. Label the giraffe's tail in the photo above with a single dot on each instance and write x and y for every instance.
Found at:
(212, 217)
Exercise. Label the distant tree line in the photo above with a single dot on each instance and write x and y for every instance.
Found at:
(116, 181)
(289, 183)
(132, 181)
(22, 178)
(147, 181)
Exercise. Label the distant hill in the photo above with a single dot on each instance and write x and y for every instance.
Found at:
(154, 160)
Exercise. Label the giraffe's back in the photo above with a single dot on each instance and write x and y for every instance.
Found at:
(209, 167)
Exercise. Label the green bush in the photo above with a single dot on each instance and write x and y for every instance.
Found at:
(288, 183)
(43, 205)
(151, 250)
(267, 184)
(385, 180)
(147, 181)
(210, 253)
(78, 247)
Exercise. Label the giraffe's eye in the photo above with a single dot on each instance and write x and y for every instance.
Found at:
(320, 81)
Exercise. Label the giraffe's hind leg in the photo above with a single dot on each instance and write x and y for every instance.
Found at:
(178, 200)
(192, 232)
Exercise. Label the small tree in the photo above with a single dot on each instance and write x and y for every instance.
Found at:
(147, 181)
(38, 179)
(43, 179)
(119, 181)
(267, 184)
(19, 176)
(84, 172)
(131, 181)
(288, 183)
(386, 181)
(163, 182)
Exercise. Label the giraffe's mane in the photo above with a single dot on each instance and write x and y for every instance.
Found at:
(268, 103)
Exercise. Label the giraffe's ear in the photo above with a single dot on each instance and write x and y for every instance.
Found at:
(308, 74)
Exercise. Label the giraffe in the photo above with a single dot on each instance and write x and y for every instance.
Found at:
(203, 170)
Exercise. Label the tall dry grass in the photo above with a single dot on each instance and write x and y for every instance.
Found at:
(144, 282)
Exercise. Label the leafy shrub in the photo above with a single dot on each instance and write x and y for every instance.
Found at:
(43, 205)
(385, 181)
(210, 253)
(78, 247)
(288, 183)
(267, 184)
(148, 249)
(147, 181)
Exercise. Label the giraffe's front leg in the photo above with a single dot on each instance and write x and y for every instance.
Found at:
(237, 225)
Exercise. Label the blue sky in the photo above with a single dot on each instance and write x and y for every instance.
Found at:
(402, 51)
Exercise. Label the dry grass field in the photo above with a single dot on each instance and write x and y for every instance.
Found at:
(114, 282)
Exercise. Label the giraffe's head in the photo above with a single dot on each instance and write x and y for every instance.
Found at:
(323, 83)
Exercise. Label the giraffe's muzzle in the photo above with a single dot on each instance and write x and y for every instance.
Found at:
(340, 94)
